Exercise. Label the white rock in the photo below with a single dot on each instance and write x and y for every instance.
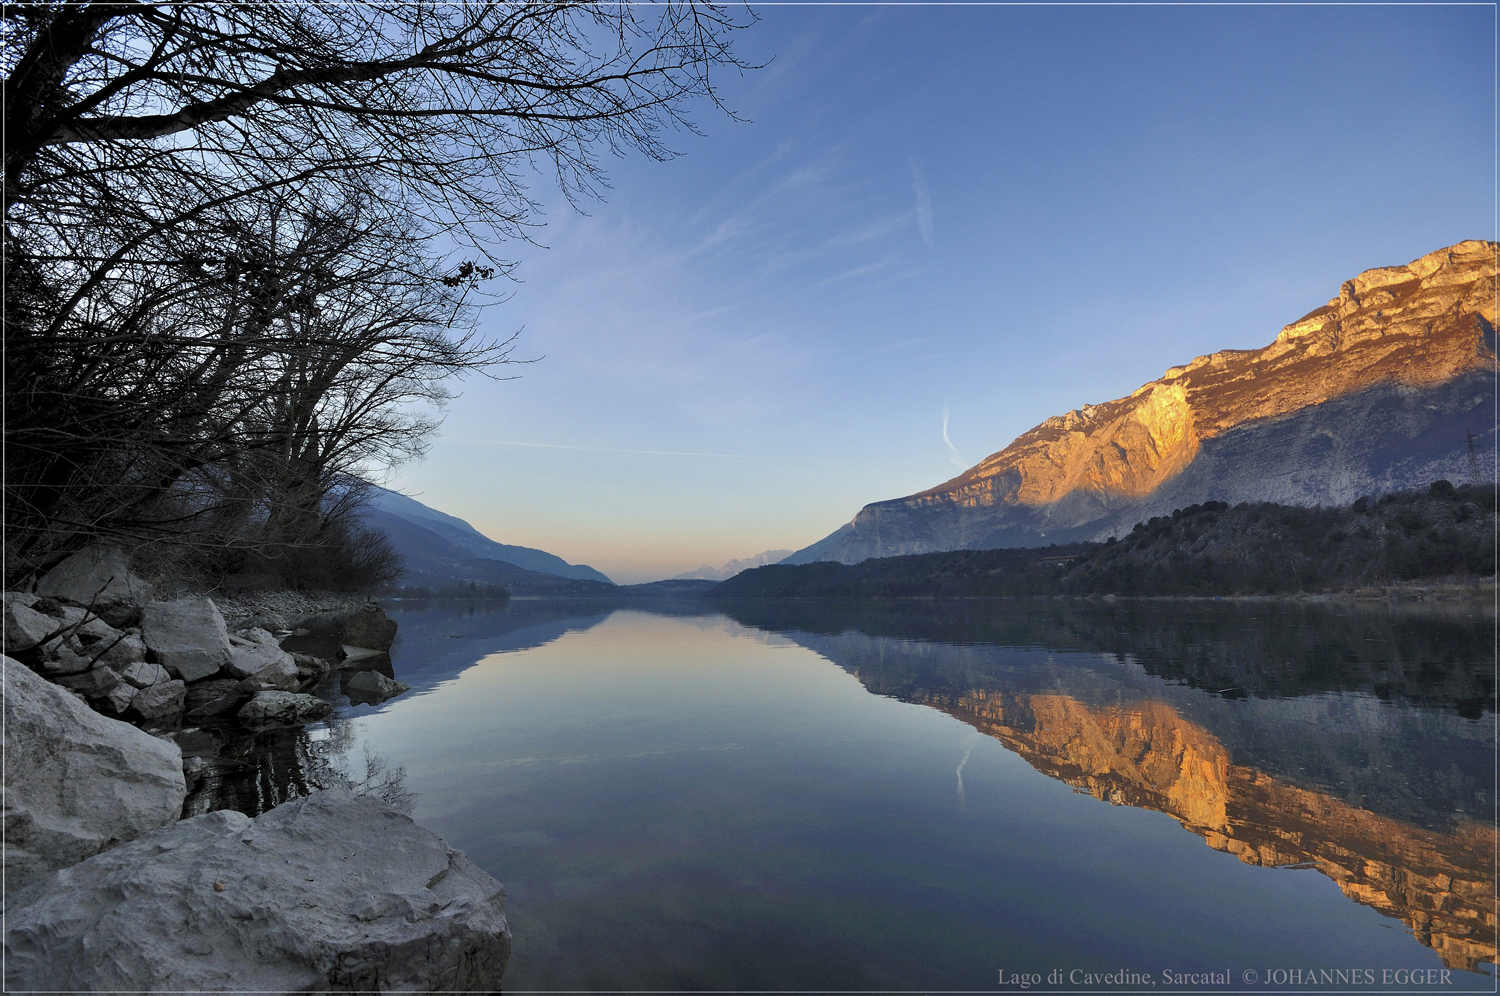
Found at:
(165, 698)
(98, 576)
(282, 709)
(24, 626)
(77, 782)
(144, 674)
(332, 892)
(254, 650)
(187, 636)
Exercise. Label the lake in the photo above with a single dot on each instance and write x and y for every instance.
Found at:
(1055, 795)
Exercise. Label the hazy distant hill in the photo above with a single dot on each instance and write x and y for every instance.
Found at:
(443, 551)
(732, 568)
(1377, 391)
(464, 536)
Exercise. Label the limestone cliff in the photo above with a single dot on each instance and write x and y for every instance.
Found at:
(1375, 391)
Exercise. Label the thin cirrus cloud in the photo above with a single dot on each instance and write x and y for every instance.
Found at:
(633, 452)
(923, 202)
(858, 271)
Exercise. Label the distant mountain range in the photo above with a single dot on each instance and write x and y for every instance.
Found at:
(1387, 387)
(443, 552)
(732, 568)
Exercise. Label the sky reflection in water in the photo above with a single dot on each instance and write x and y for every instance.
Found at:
(680, 799)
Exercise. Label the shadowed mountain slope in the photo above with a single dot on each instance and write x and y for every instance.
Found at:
(433, 562)
(458, 533)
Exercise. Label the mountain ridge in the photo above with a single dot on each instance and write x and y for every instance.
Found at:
(460, 534)
(1375, 391)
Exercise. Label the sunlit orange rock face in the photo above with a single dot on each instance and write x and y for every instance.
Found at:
(1374, 391)
(1440, 883)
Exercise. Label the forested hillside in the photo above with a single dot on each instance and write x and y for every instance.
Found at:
(1207, 549)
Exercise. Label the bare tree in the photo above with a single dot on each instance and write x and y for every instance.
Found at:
(310, 350)
(222, 297)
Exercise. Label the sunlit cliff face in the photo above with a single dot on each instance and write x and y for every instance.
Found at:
(1415, 325)
(1370, 393)
(1441, 884)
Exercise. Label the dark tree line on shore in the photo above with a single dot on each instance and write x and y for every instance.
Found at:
(247, 247)
(1207, 549)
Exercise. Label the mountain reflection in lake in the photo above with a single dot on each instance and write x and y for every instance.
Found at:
(688, 798)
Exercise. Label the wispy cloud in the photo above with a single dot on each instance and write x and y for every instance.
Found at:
(669, 453)
(956, 458)
(858, 271)
(874, 230)
(924, 202)
(727, 230)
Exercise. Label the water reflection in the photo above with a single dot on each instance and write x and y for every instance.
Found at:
(1288, 735)
(1357, 742)
(251, 772)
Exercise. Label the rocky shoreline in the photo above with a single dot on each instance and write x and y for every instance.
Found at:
(115, 704)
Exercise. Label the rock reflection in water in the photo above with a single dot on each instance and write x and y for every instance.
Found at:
(1354, 743)
(1147, 755)
(252, 772)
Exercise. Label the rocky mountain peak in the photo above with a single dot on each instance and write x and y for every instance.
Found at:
(1355, 372)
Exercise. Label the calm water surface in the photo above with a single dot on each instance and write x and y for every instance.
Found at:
(919, 796)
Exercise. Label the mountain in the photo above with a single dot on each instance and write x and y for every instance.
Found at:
(732, 568)
(435, 563)
(455, 532)
(1387, 387)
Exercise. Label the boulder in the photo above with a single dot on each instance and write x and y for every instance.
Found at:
(24, 626)
(125, 650)
(310, 668)
(159, 701)
(253, 650)
(143, 674)
(76, 782)
(87, 626)
(280, 675)
(118, 699)
(373, 687)
(282, 709)
(365, 627)
(187, 636)
(95, 683)
(369, 628)
(98, 577)
(332, 892)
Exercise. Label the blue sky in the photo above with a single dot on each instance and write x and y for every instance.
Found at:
(987, 215)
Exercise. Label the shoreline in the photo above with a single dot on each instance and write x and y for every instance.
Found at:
(1485, 594)
(109, 749)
